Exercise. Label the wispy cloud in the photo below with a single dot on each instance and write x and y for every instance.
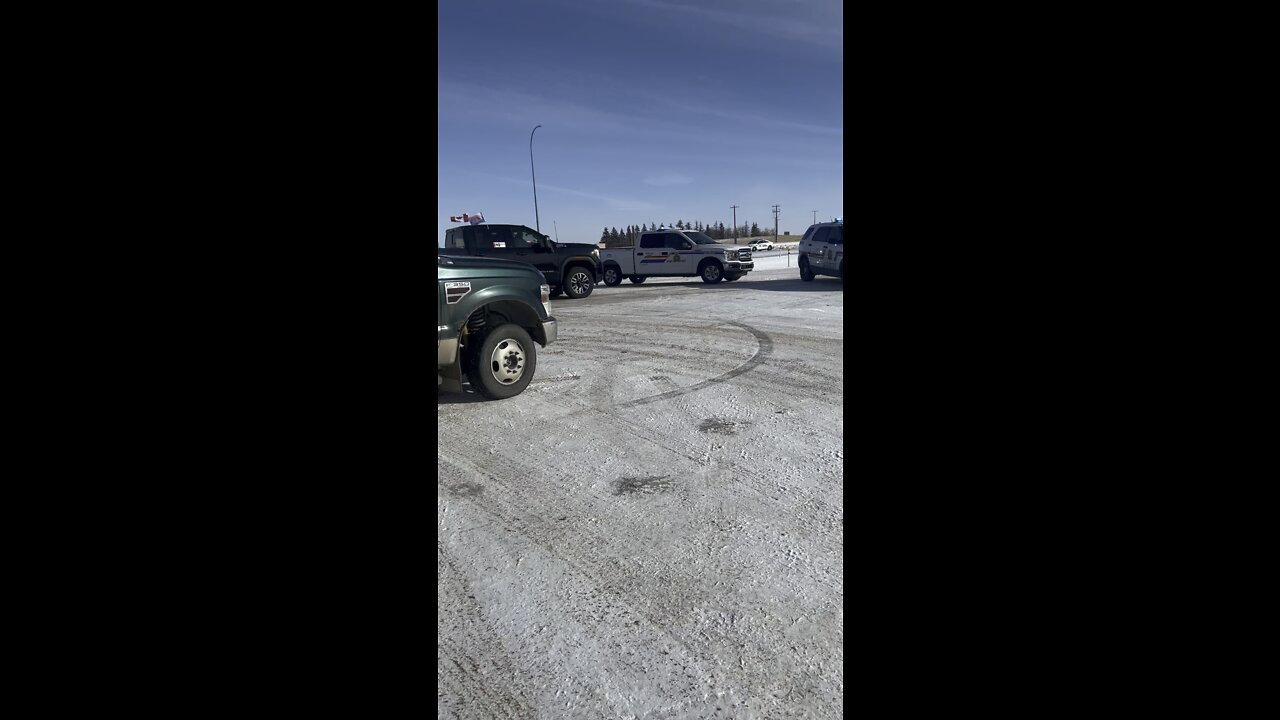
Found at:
(762, 120)
(819, 23)
(667, 179)
(613, 203)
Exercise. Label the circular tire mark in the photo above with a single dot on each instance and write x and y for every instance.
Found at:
(765, 349)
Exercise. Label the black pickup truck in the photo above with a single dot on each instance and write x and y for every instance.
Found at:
(570, 268)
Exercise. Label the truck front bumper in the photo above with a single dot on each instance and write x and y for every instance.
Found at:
(736, 266)
(549, 330)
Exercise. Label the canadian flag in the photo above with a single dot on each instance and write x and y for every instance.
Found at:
(475, 219)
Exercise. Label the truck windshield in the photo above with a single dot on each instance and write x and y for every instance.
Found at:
(699, 238)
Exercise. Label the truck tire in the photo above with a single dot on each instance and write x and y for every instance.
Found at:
(711, 272)
(638, 280)
(503, 365)
(612, 275)
(805, 273)
(578, 282)
(730, 277)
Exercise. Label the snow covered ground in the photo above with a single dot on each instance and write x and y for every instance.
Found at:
(655, 527)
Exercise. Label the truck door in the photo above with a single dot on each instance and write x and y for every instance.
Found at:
(495, 241)
(529, 246)
(835, 247)
(682, 257)
(651, 255)
(817, 252)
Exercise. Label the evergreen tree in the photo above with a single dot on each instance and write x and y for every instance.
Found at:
(604, 236)
(613, 235)
(755, 229)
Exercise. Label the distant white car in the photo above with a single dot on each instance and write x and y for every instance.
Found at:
(759, 245)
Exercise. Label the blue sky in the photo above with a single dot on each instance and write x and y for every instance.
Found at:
(651, 111)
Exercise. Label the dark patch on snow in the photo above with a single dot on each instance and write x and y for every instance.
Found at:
(467, 489)
(646, 485)
(721, 426)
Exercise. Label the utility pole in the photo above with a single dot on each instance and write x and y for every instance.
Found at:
(557, 228)
(775, 224)
(815, 216)
(735, 224)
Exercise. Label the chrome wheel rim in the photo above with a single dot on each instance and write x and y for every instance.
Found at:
(507, 362)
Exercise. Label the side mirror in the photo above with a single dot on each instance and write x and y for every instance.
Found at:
(687, 245)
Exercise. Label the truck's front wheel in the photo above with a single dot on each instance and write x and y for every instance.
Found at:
(711, 272)
(504, 363)
(578, 283)
(612, 276)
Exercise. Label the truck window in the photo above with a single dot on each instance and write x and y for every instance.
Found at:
(454, 239)
(652, 240)
(490, 238)
(677, 242)
(523, 237)
(821, 235)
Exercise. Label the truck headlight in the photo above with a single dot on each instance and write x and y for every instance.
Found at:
(545, 289)
(733, 254)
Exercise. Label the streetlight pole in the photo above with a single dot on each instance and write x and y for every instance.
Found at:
(537, 222)
(815, 216)
(735, 224)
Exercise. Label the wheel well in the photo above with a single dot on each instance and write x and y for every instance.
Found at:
(496, 313)
(708, 260)
(585, 266)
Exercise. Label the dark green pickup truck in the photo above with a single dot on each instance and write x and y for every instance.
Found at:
(491, 312)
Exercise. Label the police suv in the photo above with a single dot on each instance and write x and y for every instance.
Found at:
(822, 251)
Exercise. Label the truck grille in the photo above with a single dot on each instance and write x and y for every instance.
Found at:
(744, 254)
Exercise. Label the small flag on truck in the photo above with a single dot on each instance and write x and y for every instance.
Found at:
(474, 219)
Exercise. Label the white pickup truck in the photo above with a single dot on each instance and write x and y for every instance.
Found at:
(667, 252)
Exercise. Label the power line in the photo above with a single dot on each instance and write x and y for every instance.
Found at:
(735, 224)
(775, 223)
